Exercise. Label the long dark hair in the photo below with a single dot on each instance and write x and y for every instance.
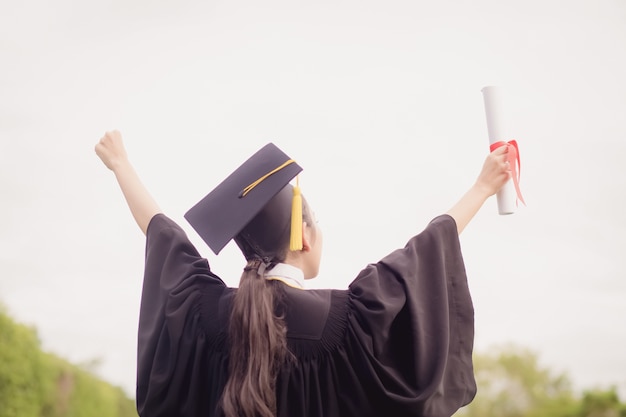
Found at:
(257, 331)
(258, 347)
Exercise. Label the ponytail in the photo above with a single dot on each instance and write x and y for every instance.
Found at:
(258, 347)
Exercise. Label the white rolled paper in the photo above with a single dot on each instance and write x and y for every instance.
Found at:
(496, 128)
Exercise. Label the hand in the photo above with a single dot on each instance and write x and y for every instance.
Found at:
(142, 206)
(111, 150)
(496, 171)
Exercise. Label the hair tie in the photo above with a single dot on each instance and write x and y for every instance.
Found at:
(252, 264)
(258, 265)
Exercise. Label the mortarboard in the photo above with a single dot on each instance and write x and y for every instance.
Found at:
(225, 211)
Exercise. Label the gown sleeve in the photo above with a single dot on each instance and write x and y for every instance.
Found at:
(170, 336)
(413, 318)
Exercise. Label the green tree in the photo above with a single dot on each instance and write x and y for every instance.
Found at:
(34, 383)
(600, 403)
(512, 383)
(21, 369)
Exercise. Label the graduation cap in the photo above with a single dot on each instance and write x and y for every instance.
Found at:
(257, 190)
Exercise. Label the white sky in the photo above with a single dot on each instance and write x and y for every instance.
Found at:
(380, 102)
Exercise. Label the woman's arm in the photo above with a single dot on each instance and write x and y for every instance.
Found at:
(495, 173)
(111, 151)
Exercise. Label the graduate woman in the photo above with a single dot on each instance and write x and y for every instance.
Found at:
(397, 342)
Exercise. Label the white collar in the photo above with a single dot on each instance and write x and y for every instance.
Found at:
(288, 274)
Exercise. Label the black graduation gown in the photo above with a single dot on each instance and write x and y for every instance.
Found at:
(398, 342)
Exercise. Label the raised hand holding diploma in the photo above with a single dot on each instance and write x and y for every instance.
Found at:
(510, 193)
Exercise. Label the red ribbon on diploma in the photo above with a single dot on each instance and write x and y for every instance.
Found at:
(514, 163)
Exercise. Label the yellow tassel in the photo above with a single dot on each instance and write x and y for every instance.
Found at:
(295, 242)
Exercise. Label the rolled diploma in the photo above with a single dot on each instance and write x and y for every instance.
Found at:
(507, 197)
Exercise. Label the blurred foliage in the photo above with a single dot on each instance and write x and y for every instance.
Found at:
(512, 383)
(598, 403)
(34, 383)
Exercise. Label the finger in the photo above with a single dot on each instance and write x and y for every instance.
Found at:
(115, 135)
(502, 150)
(499, 160)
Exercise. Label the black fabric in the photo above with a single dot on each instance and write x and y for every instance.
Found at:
(397, 342)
